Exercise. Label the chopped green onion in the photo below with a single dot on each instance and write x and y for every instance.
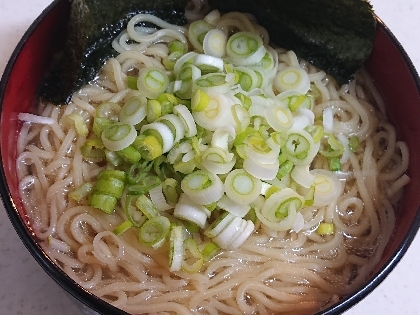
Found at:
(79, 123)
(152, 81)
(170, 189)
(132, 82)
(81, 192)
(219, 224)
(177, 46)
(247, 78)
(109, 186)
(196, 33)
(129, 154)
(118, 136)
(300, 101)
(334, 164)
(327, 187)
(146, 206)
(108, 110)
(176, 250)
(133, 111)
(292, 78)
(332, 147)
(208, 64)
(214, 43)
(103, 202)
(213, 83)
(325, 228)
(354, 143)
(202, 187)
(188, 210)
(93, 149)
(123, 227)
(279, 118)
(210, 250)
(300, 147)
(136, 217)
(245, 100)
(99, 124)
(245, 48)
(284, 169)
(193, 261)
(117, 174)
(150, 148)
(242, 187)
(153, 110)
(169, 61)
(154, 231)
(187, 118)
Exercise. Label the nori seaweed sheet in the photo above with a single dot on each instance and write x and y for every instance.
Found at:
(334, 35)
(92, 27)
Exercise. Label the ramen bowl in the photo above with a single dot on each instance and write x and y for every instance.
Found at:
(389, 67)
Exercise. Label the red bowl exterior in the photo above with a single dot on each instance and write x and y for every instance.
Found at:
(389, 66)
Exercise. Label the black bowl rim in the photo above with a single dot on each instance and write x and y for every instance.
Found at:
(97, 304)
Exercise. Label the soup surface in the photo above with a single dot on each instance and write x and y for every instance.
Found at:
(204, 171)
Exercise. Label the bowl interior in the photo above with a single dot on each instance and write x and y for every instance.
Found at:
(392, 72)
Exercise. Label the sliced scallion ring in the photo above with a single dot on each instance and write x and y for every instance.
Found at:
(245, 48)
(193, 257)
(188, 210)
(238, 209)
(300, 147)
(118, 136)
(133, 111)
(176, 250)
(196, 33)
(146, 206)
(160, 130)
(154, 231)
(242, 187)
(243, 235)
(219, 225)
(292, 78)
(152, 81)
(208, 64)
(123, 227)
(202, 187)
(188, 120)
(214, 43)
(279, 118)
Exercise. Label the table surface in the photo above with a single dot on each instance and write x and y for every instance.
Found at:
(27, 289)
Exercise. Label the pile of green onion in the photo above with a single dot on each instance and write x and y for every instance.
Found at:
(218, 141)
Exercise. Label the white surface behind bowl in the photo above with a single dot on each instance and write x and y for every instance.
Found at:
(26, 289)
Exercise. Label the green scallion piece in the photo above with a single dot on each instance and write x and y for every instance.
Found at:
(130, 154)
(209, 251)
(93, 149)
(123, 227)
(334, 164)
(103, 202)
(110, 186)
(154, 231)
(284, 169)
(325, 228)
(132, 82)
(146, 206)
(354, 143)
(99, 124)
(81, 192)
(117, 174)
(193, 258)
